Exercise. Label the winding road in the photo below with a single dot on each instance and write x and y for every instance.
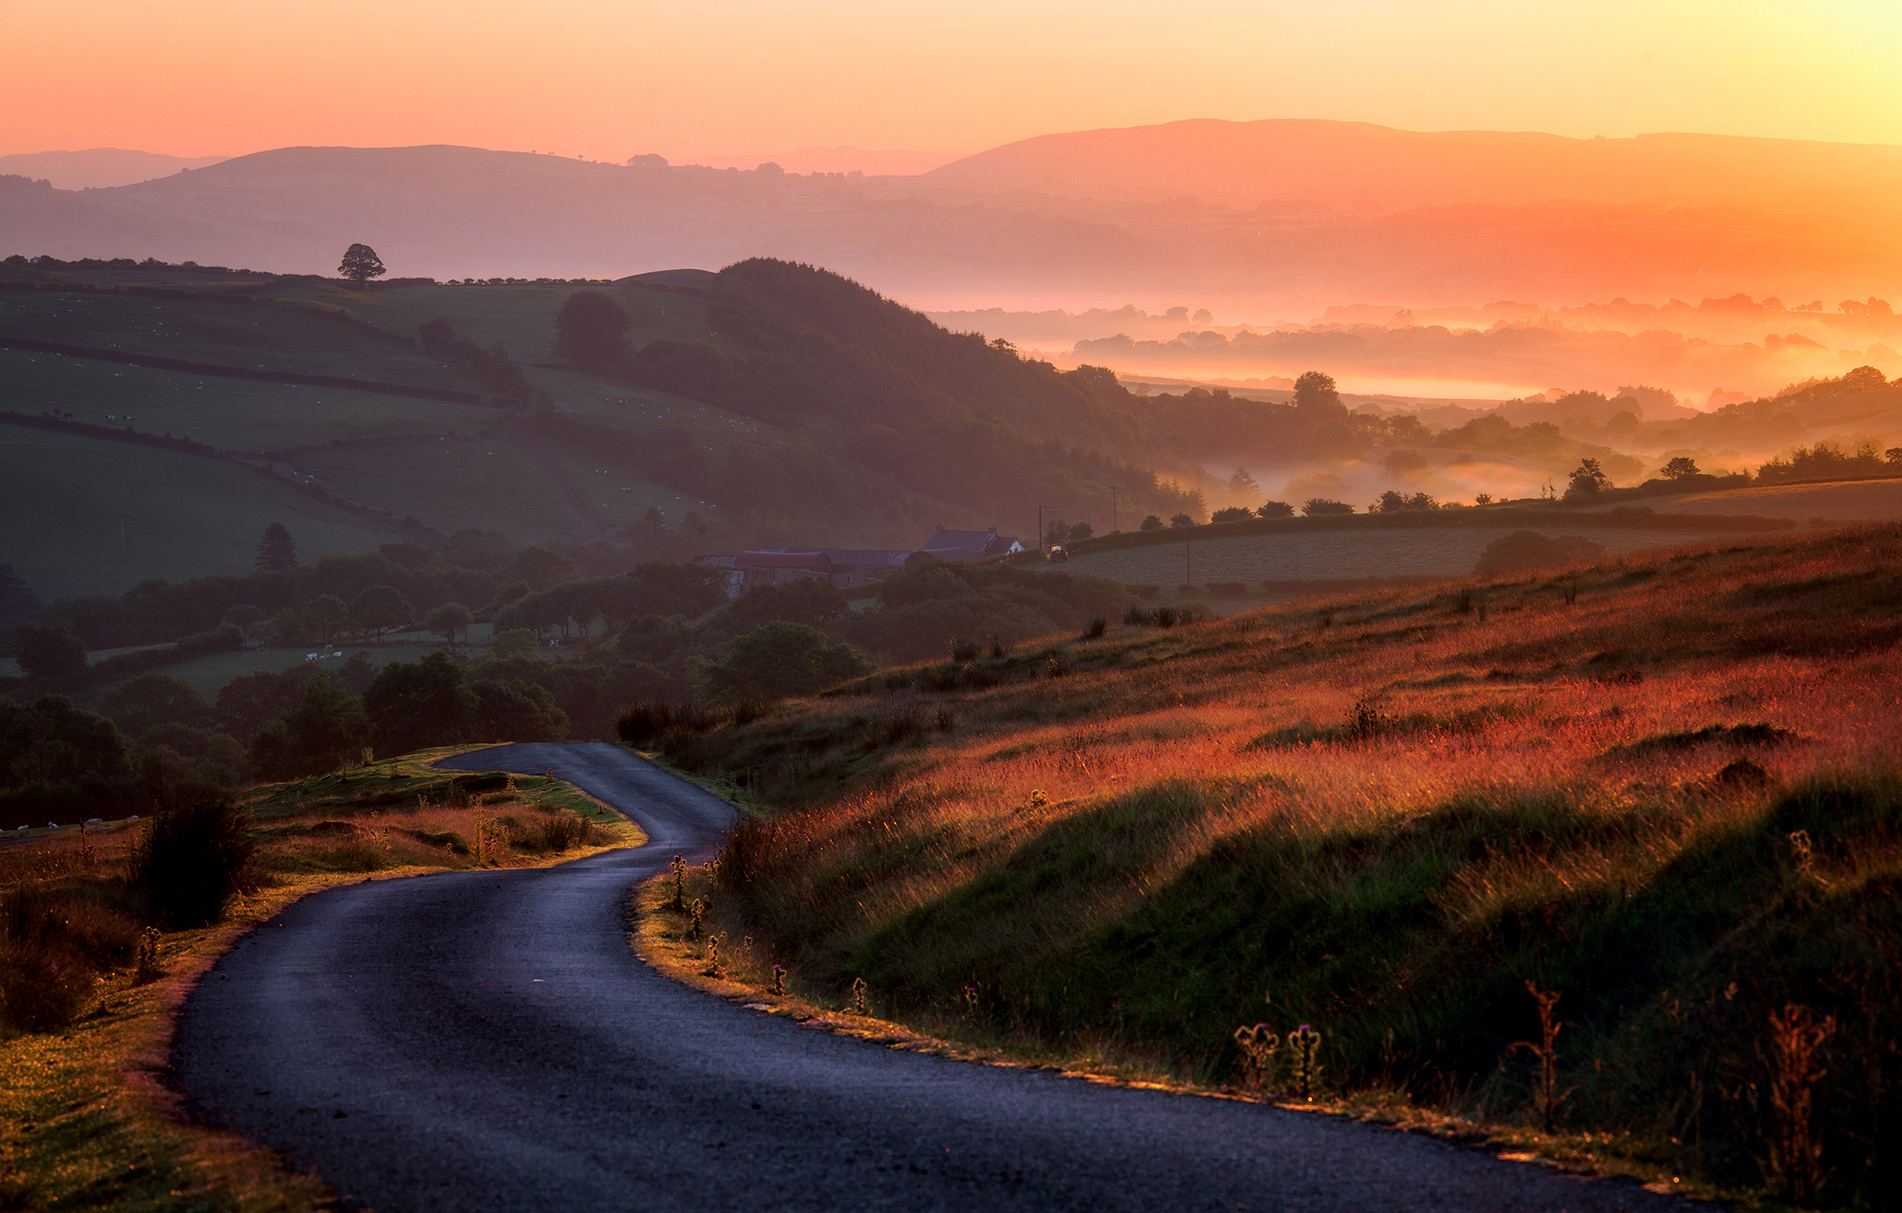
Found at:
(487, 1041)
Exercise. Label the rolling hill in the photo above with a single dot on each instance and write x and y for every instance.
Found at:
(1281, 212)
(196, 409)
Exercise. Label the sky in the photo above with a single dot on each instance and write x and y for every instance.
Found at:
(606, 79)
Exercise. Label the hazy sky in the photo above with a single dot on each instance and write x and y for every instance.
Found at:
(607, 79)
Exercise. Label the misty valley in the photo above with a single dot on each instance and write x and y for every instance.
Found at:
(452, 711)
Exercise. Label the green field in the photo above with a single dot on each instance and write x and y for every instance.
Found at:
(259, 336)
(521, 316)
(182, 519)
(490, 483)
(1326, 555)
(208, 674)
(237, 414)
(87, 516)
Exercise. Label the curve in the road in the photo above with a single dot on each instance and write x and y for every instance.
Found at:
(487, 1041)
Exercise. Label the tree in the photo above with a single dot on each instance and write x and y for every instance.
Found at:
(542, 567)
(277, 551)
(780, 659)
(139, 705)
(251, 701)
(1315, 507)
(323, 613)
(1316, 399)
(315, 737)
(414, 704)
(514, 643)
(1274, 509)
(380, 608)
(592, 329)
(360, 264)
(1680, 468)
(511, 710)
(1080, 531)
(1233, 513)
(48, 652)
(448, 619)
(51, 741)
(1181, 520)
(1152, 522)
(1587, 478)
(813, 601)
(18, 602)
(1242, 484)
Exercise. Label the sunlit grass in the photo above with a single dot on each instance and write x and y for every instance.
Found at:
(1388, 812)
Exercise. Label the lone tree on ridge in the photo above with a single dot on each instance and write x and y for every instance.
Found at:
(360, 264)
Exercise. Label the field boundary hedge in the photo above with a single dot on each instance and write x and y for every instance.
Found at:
(224, 371)
(1529, 519)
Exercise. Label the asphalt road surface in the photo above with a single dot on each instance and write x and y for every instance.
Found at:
(486, 1040)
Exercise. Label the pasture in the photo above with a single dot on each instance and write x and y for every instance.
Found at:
(86, 516)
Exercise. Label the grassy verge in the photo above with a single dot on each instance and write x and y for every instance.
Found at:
(1664, 789)
(661, 933)
(87, 1119)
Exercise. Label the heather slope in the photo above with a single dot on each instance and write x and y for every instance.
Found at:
(1665, 787)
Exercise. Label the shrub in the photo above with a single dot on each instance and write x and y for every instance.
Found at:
(564, 831)
(1274, 509)
(1234, 513)
(192, 861)
(643, 721)
(1095, 629)
(1152, 522)
(1316, 507)
(1530, 551)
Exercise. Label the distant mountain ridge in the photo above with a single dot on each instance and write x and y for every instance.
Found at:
(99, 167)
(1249, 163)
(1304, 211)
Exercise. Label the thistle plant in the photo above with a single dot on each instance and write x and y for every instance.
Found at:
(680, 885)
(1797, 1036)
(149, 955)
(1547, 1051)
(1258, 1047)
(859, 1006)
(969, 998)
(714, 967)
(1304, 1046)
(1804, 854)
(779, 980)
(695, 913)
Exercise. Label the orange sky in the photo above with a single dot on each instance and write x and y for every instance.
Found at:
(609, 78)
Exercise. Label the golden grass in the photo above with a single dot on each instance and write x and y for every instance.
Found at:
(1063, 823)
(86, 1117)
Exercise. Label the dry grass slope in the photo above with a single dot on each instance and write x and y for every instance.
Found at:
(1665, 787)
